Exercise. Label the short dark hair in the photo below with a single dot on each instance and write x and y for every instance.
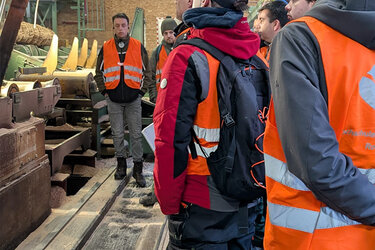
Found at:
(120, 15)
(276, 12)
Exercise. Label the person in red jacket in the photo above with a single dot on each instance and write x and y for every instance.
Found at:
(179, 33)
(320, 135)
(199, 216)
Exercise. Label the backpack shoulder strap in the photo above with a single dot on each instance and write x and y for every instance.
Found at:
(228, 120)
(224, 91)
(258, 63)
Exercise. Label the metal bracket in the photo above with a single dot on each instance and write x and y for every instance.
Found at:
(39, 101)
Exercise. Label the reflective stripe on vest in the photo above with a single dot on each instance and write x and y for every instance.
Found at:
(279, 172)
(159, 66)
(133, 73)
(307, 220)
(207, 128)
(297, 220)
(111, 69)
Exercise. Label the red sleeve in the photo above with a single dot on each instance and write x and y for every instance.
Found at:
(173, 117)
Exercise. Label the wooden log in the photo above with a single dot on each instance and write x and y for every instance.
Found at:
(8, 89)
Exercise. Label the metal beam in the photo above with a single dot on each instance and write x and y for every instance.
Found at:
(10, 30)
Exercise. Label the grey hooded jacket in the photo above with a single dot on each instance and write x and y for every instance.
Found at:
(300, 98)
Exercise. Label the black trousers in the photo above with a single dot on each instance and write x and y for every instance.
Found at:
(199, 228)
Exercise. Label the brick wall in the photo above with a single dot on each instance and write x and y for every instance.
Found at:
(67, 26)
(153, 10)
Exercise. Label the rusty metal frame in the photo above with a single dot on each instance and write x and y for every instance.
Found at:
(5, 112)
(9, 32)
(39, 101)
(72, 139)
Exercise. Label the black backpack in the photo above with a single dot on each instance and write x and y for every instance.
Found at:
(237, 166)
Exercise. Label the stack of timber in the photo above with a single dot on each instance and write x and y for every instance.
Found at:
(39, 35)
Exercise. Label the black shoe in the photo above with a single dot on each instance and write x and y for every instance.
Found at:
(137, 174)
(148, 200)
(121, 168)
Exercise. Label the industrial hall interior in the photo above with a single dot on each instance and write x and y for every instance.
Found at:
(187, 124)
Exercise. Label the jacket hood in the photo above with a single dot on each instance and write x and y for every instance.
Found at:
(231, 33)
(353, 18)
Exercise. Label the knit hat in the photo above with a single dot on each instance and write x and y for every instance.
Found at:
(225, 3)
(168, 24)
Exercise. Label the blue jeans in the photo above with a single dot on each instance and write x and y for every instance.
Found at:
(130, 114)
(199, 228)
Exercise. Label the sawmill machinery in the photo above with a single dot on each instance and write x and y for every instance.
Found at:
(24, 167)
(82, 104)
(43, 85)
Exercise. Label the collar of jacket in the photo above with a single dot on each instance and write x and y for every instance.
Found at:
(125, 41)
(168, 46)
(351, 18)
(180, 28)
(211, 17)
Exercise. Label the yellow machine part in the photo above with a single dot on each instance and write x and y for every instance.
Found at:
(91, 61)
(25, 86)
(51, 60)
(76, 83)
(72, 60)
(83, 55)
(50, 83)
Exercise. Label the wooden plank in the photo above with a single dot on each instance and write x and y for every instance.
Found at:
(85, 158)
(163, 240)
(124, 225)
(149, 237)
(60, 217)
(75, 234)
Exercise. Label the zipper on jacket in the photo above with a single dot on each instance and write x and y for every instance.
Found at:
(122, 70)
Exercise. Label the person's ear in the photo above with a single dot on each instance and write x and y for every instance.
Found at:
(205, 3)
(276, 25)
(190, 3)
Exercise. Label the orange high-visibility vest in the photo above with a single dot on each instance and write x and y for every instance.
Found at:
(266, 52)
(159, 66)
(261, 57)
(133, 72)
(206, 127)
(295, 218)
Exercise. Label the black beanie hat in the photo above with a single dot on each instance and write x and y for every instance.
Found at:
(168, 24)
